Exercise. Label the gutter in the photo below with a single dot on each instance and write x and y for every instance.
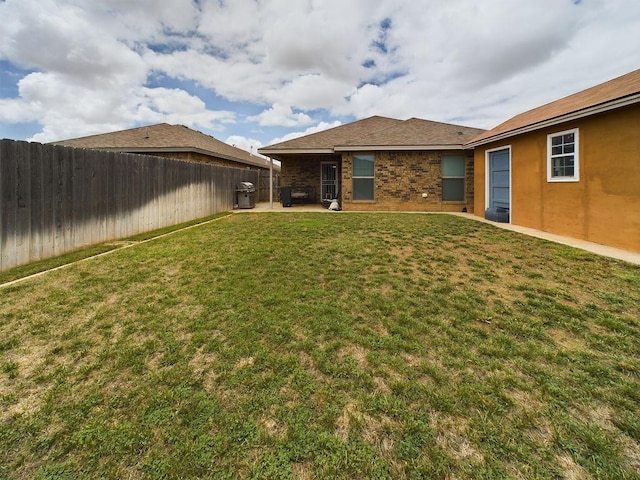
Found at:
(371, 148)
(293, 151)
(359, 148)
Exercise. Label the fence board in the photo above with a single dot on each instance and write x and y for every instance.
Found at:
(48, 226)
(23, 204)
(37, 201)
(56, 199)
(8, 203)
(66, 199)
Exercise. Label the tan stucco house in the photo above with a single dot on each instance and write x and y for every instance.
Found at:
(381, 163)
(173, 141)
(571, 167)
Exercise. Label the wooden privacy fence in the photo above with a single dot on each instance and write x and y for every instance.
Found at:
(56, 199)
(263, 186)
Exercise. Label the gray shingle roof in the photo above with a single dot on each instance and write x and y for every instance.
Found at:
(381, 133)
(419, 133)
(165, 138)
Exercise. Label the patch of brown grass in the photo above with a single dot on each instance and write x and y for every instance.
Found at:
(451, 437)
(358, 353)
(566, 340)
(571, 470)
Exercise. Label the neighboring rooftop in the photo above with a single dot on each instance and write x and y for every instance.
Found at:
(165, 138)
(379, 133)
(619, 92)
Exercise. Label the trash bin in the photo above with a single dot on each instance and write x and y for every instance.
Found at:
(285, 196)
(497, 214)
(245, 195)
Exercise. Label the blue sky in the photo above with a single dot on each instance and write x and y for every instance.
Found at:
(255, 72)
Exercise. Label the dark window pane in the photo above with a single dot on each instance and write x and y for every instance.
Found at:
(569, 138)
(563, 166)
(363, 166)
(453, 189)
(452, 166)
(569, 148)
(556, 140)
(556, 150)
(363, 188)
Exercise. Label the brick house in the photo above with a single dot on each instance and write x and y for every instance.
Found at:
(381, 163)
(173, 141)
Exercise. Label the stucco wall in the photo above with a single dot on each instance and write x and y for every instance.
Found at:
(603, 207)
(402, 177)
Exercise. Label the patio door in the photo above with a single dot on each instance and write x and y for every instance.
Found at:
(329, 180)
(499, 179)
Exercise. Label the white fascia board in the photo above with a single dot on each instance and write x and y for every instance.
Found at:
(587, 112)
(396, 148)
(293, 151)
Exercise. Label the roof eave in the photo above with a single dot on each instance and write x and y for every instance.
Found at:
(568, 117)
(256, 163)
(372, 148)
(293, 151)
(358, 148)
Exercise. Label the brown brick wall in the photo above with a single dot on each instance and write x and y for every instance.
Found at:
(402, 177)
(199, 157)
(305, 171)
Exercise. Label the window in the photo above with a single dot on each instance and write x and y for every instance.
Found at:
(562, 154)
(452, 178)
(363, 177)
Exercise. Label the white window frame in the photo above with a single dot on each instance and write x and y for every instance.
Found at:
(576, 157)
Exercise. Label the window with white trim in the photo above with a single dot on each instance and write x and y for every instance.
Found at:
(363, 170)
(562, 157)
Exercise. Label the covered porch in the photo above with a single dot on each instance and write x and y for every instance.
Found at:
(313, 179)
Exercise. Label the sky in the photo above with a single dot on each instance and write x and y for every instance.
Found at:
(256, 72)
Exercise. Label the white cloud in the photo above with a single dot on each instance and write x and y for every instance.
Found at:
(59, 38)
(70, 111)
(14, 110)
(310, 92)
(318, 128)
(281, 115)
(251, 145)
(97, 65)
(233, 79)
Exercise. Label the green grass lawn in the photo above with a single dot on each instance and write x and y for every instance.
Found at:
(325, 346)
